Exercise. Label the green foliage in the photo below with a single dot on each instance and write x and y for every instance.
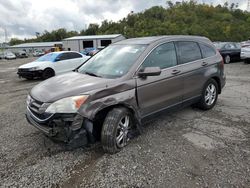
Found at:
(15, 41)
(221, 23)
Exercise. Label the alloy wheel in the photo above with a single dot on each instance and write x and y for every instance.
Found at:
(227, 59)
(122, 131)
(210, 95)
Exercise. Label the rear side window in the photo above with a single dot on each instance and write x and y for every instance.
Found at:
(207, 51)
(163, 56)
(75, 55)
(65, 56)
(188, 51)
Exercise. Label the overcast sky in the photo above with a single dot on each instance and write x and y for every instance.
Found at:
(23, 18)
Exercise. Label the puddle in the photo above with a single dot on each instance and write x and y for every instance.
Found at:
(2, 81)
(202, 141)
(8, 69)
(220, 131)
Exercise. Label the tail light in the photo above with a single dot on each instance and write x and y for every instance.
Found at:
(222, 61)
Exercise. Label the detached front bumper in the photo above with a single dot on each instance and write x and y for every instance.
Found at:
(72, 129)
(25, 73)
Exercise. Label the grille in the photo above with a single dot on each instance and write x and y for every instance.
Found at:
(38, 108)
(23, 70)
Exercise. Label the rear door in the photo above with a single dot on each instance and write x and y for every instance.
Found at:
(193, 67)
(68, 61)
(77, 60)
(62, 63)
(158, 92)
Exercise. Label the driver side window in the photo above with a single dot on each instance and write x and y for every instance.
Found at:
(163, 56)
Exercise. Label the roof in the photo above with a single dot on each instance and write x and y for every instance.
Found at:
(149, 40)
(94, 37)
(36, 44)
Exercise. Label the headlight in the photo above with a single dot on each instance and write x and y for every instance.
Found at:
(33, 68)
(67, 105)
(28, 100)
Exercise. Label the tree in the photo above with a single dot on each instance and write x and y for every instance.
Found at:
(219, 23)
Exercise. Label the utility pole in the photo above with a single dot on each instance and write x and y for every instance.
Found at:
(248, 5)
(5, 35)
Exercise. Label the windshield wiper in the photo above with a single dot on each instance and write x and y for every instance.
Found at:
(92, 74)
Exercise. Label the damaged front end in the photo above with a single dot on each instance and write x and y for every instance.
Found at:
(70, 128)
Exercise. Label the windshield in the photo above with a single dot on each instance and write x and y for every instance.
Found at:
(113, 61)
(48, 57)
(219, 45)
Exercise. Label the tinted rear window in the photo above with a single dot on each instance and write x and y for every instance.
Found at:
(207, 51)
(75, 55)
(188, 51)
(65, 56)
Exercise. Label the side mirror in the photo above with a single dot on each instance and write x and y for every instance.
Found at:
(149, 71)
(58, 59)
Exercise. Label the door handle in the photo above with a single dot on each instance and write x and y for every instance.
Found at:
(174, 72)
(204, 64)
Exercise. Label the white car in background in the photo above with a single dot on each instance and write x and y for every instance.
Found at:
(245, 54)
(52, 64)
(38, 53)
(9, 55)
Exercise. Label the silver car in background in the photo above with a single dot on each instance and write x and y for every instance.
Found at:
(245, 54)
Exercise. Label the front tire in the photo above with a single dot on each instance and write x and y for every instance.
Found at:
(47, 73)
(209, 95)
(117, 124)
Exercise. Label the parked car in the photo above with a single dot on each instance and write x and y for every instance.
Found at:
(51, 64)
(9, 55)
(110, 96)
(87, 51)
(245, 43)
(1, 55)
(38, 53)
(245, 54)
(230, 51)
(21, 54)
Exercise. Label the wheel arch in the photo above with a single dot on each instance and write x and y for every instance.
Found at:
(49, 68)
(217, 79)
(101, 114)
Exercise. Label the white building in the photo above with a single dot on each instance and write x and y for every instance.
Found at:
(31, 47)
(79, 43)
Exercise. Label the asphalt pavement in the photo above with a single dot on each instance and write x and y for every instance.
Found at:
(186, 148)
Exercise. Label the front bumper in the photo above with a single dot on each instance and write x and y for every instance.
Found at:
(25, 73)
(72, 129)
(245, 55)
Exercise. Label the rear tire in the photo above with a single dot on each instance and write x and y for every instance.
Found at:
(246, 61)
(209, 95)
(117, 124)
(227, 59)
(47, 73)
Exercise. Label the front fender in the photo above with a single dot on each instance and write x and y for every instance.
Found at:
(126, 98)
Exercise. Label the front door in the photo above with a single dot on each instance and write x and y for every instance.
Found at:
(156, 93)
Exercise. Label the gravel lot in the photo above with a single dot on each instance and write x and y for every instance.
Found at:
(187, 148)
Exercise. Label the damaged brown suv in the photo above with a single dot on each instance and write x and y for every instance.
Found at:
(110, 96)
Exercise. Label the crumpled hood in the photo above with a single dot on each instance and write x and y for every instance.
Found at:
(32, 64)
(66, 85)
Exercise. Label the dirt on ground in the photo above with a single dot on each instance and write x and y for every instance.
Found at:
(185, 148)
